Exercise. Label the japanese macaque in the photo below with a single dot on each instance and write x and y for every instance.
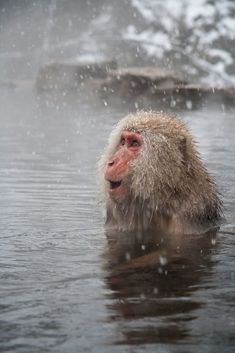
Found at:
(153, 178)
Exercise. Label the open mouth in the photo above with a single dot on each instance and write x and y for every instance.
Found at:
(114, 184)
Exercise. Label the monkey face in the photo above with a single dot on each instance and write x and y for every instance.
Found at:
(117, 168)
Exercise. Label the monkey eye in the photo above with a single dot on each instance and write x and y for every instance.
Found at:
(131, 140)
(134, 143)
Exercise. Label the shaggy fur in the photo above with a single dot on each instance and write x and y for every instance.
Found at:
(167, 186)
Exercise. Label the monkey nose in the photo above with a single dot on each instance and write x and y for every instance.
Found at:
(111, 163)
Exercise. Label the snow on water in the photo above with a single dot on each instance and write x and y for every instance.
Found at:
(195, 38)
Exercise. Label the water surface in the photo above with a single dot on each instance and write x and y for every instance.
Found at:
(64, 288)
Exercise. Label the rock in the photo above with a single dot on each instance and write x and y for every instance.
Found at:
(135, 81)
(70, 76)
(136, 87)
(157, 89)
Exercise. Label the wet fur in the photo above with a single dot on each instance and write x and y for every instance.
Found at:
(167, 186)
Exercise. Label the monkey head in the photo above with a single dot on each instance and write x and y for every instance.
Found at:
(151, 166)
(144, 156)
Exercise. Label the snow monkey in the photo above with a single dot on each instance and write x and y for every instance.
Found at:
(153, 177)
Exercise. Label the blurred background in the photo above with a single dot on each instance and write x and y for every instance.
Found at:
(196, 39)
(69, 70)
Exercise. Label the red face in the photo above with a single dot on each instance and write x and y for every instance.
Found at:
(128, 149)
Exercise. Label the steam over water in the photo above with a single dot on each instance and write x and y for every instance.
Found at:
(67, 285)
(62, 287)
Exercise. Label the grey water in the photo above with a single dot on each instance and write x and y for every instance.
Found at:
(62, 285)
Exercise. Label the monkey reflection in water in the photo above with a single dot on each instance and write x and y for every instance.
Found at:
(163, 211)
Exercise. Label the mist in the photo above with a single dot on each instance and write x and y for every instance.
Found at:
(70, 70)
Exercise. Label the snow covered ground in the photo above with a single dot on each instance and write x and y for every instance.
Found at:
(196, 34)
